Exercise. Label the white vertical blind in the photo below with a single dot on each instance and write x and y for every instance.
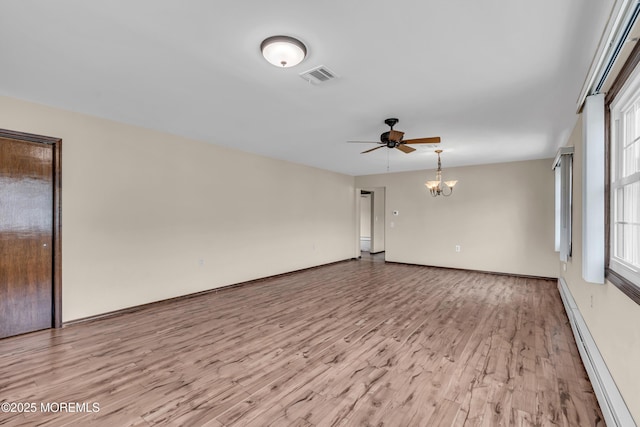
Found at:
(563, 166)
(558, 208)
(593, 223)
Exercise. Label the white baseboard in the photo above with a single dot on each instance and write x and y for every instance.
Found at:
(614, 409)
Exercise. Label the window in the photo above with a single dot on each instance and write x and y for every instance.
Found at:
(624, 241)
(563, 166)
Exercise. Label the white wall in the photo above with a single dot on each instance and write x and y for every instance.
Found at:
(612, 318)
(378, 242)
(365, 215)
(501, 215)
(148, 216)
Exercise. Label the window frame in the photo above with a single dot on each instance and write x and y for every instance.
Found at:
(627, 81)
(629, 100)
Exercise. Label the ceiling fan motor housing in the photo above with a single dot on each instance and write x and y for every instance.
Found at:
(384, 138)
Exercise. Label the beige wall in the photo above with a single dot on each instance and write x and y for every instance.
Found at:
(148, 216)
(612, 318)
(501, 215)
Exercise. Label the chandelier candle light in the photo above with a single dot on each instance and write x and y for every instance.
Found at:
(437, 187)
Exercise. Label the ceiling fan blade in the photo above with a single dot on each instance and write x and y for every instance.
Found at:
(365, 142)
(395, 135)
(373, 149)
(405, 149)
(432, 140)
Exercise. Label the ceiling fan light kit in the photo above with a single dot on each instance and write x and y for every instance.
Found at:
(283, 51)
(437, 187)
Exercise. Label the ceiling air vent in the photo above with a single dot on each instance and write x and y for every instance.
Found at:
(318, 75)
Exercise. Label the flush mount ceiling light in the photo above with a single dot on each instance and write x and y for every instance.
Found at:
(283, 51)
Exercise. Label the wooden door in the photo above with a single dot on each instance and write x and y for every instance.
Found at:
(26, 235)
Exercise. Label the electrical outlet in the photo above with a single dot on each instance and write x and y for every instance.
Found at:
(458, 249)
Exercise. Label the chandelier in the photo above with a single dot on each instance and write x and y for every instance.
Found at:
(437, 187)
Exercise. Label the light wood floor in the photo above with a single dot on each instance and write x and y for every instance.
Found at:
(357, 343)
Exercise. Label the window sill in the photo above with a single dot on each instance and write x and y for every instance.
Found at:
(628, 288)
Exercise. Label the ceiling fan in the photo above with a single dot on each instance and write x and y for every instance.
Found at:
(393, 139)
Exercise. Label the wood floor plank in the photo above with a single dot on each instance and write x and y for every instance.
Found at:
(354, 343)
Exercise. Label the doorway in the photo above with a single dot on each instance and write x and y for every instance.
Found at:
(30, 244)
(366, 223)
(370, 221)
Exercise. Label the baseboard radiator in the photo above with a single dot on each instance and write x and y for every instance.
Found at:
(615, 411)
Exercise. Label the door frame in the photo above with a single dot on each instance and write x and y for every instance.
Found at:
(381, 194)
(56, 321)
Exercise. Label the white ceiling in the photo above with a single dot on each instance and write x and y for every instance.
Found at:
(498, 80)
